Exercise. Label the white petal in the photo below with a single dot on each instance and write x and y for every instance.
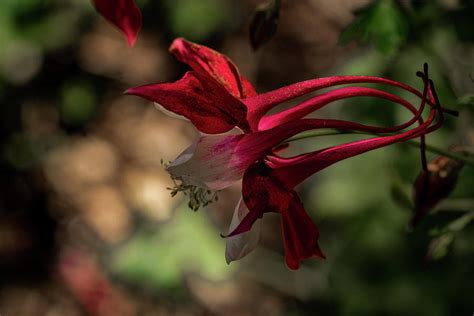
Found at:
(216, 161)
(211, 162)
(169, 113)
(240, 245)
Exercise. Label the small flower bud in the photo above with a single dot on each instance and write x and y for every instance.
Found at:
(264, 23)
(435, 184)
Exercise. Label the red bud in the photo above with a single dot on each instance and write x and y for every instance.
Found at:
(434, 185)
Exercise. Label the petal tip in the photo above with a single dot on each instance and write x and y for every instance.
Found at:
(132, 91)
(321, 255)
(228, 259)
(131, 40)
(292, 264)
(124, 14)
(177, 42)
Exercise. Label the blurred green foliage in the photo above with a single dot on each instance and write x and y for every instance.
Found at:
(198, 20)
(78, 103)
(382, 23)
(158, 257)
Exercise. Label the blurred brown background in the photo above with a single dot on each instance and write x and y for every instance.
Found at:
(87, 226)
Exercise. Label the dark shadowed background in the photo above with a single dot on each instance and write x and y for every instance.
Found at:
(88, 227)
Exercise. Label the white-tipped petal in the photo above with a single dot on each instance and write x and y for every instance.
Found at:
(169, 113)
(211, 162)
(239, 246)
(216, 161)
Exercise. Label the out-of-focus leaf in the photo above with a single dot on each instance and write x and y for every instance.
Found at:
(264, 23)
(159, 258)
(197, 20)
(382, 23)
(400, 196)
(439, 246)
(78, 103)
(461, 222)
(462, 20)
(467, 100)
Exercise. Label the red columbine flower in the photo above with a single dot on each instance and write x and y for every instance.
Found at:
(124, 14)
(214, 162)
(268, 185)
(216, 98)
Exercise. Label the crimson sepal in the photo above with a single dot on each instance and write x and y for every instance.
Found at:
(200, 99)
(300, 234)
(124, 14)
(263, 193)
(210, 62)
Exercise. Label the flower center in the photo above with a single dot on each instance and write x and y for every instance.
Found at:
(198, 196)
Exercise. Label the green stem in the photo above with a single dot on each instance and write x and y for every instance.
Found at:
(329, 132)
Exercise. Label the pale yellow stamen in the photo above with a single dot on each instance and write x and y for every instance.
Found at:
(197, 196)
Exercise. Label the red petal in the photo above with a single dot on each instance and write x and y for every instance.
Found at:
(216, 161)
(300, 235)
(124, 14)
(200, 99)
(293, 171)
(262, 103)
(207, 61)
(315, 103)
(262, 194)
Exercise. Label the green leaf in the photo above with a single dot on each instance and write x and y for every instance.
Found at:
(197, 20)
(161, 256)
(439, 246)
(78, 103)
(381, 23)
(458, 224)
(400, 195)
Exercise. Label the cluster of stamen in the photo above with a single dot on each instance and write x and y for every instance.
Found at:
(198, 197)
